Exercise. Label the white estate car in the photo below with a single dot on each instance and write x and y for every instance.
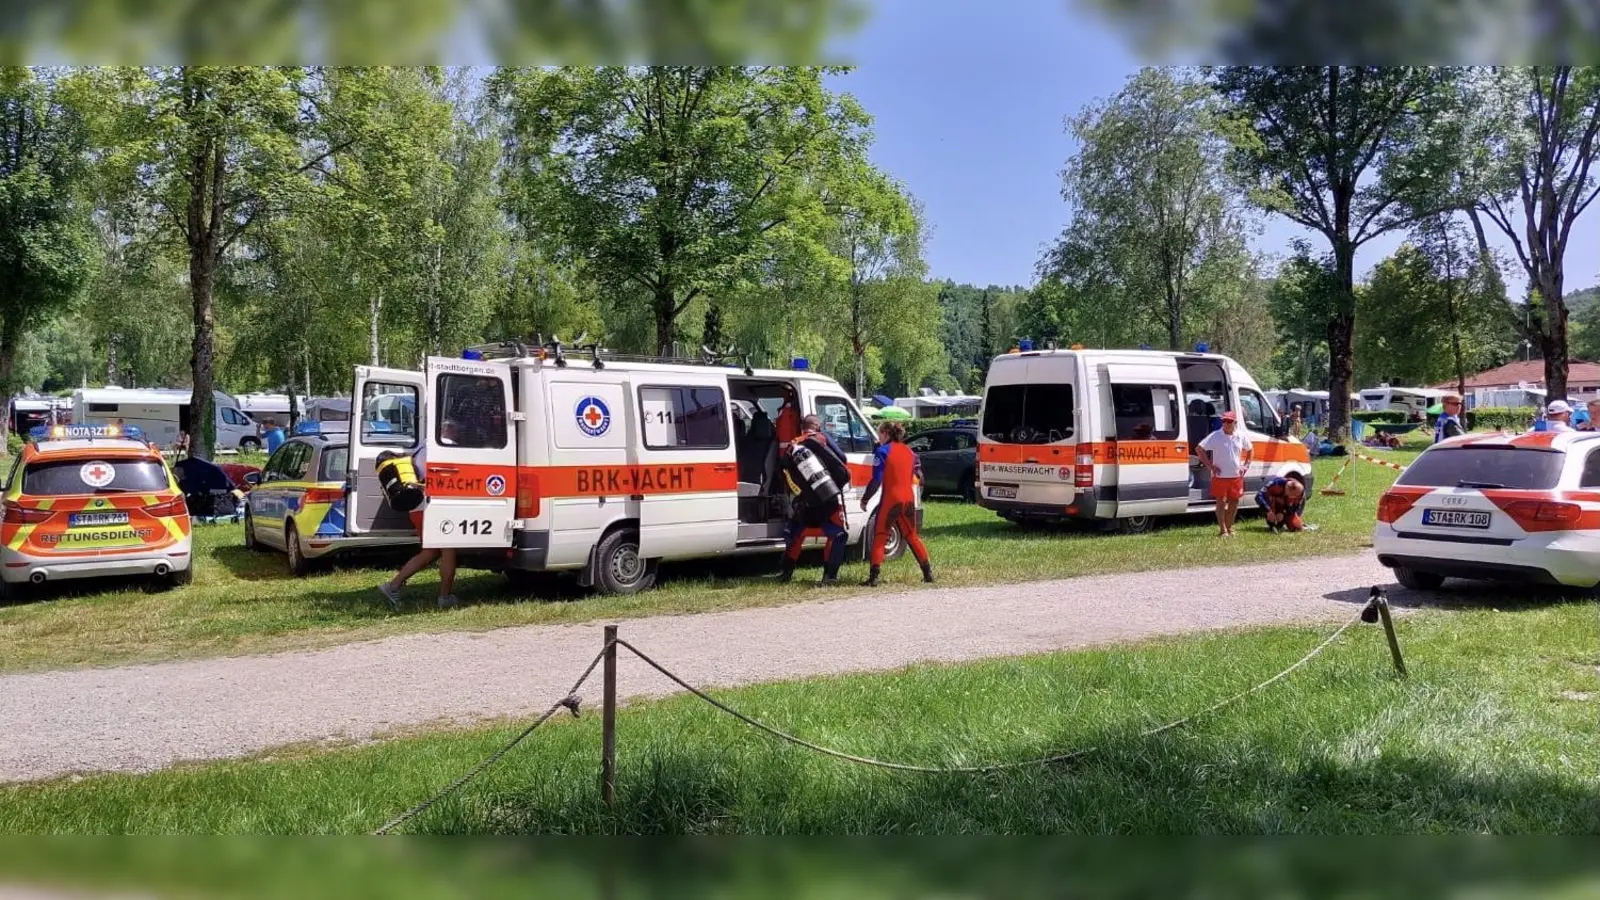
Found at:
(1518, 507)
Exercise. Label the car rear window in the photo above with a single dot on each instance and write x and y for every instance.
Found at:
(334, 462)
(90, 476)
(1028, 413)
(1501, 467)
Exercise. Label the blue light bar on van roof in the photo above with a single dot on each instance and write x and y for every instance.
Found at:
(471, 354)
(81, 432)
(1025, 345)
(1202, 347)
(800, 364)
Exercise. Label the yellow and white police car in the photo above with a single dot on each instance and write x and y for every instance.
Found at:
(89, 501)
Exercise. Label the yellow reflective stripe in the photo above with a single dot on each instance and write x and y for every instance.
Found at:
(21, 537)
(173, 529)
(150, 499)
(47, 502)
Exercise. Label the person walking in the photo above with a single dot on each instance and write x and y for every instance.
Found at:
(1227, 452)
(896, 471)
(1449, 424)
(392, 590)
(809, 512)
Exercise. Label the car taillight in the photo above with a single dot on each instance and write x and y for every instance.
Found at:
(1083, 472)
(1544, 515)
(21, 515)
(324, 495)
(527, 498)
(1392, 506)
(168, 508)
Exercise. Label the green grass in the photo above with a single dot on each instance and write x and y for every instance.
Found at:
(244, 602)
(1493, 732)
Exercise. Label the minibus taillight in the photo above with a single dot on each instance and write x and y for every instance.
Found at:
(1083, 472)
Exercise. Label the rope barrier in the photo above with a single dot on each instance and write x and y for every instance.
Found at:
(1381, 462)
(570, 702)
(995, 767)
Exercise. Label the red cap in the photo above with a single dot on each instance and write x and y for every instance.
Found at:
(1230, 416)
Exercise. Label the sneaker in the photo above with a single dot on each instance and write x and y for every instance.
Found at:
(391, 594)
(448, 601)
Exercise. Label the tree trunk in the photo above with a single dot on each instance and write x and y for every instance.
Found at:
(1553, 336)
(10, 338)
(666, 309)
(375, 308)
(1341, 344)
(111, 358)
(290, 388)
(202, 419)
(858, 342)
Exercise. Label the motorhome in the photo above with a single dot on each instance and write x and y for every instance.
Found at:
(263, 406)
(1313, 405)
(592, 463)
(1400, 399)
(30, 410)
(1110, 435)
(163, 414)
(931, 404)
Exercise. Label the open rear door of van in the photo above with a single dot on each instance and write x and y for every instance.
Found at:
(1147, 445)
(384, 416)
(472, 455)
(686, 474)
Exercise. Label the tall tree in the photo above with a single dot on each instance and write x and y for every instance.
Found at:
(1147, 188)
(45, 248)
(1541, 177)
(667, 179)
(1301, 298)
(1348, 152)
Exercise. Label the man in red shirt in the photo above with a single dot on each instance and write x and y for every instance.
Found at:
(896, 470)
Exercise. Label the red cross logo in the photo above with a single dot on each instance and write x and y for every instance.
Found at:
(593, 416)
(99, 473)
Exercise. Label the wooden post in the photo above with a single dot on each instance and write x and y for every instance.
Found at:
(608, 721)
(1382, 602)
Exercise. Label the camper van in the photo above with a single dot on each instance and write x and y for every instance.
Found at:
(263, 406)
(162, 414)
(1110, 435)
(1313, 405)
(1400, 399)
(604, 466)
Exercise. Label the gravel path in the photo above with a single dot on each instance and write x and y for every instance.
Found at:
(142, 718)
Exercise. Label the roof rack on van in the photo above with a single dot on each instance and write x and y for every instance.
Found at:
(555, 350)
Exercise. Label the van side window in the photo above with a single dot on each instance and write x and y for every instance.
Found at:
(1591, 470)
(848, 429)
(471, 412)
(102, 407)
(389, 414)
(1028, 413)
(1145, 412)
(1257, 414)
(684, 418)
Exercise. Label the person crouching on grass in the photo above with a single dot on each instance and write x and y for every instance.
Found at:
(1284, 500)
(1226, 453)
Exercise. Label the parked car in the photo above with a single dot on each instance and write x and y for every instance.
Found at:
(297, 504)
(949, 460)
(1496, 507)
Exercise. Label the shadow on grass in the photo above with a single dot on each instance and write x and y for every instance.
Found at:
(1457, 595)
(1171, 785)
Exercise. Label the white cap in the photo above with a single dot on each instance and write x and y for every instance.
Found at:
(1558, 408)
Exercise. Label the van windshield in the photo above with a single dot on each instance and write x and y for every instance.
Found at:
(1028, 413)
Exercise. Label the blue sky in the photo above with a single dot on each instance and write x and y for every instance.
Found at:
(969, 100)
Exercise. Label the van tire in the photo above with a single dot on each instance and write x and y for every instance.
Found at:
(1135, 524)
(619, 569)
(896, 547)
(249, 445)
(299, 565)
(1418, 581)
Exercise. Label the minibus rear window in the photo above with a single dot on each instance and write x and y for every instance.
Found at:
(1028, 413)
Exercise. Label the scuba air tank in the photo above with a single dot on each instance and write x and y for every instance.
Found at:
(398, 477)
(811, 478)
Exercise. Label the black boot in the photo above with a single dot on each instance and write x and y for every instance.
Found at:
(927, 573)
(787, 574)
(872, 577)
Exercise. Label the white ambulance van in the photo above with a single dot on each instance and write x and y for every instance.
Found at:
(549, 459)
(1110, 435)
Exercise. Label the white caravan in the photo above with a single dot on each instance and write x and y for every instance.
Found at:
(163, 413)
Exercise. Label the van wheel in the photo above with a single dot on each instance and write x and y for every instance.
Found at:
(249, 445)
(620, 568)
(892, 550)
(969, 487)
(1135, 524)
(1418, 581)
(298, 564)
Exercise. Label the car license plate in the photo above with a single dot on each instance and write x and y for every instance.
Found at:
(89, 520)
(1003, 491)
(1455, 518)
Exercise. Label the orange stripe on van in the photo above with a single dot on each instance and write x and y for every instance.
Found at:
(1280, 451)
(611, 481)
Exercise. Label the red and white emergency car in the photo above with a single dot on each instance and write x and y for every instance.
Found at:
(546, 459)
(1522, 507)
